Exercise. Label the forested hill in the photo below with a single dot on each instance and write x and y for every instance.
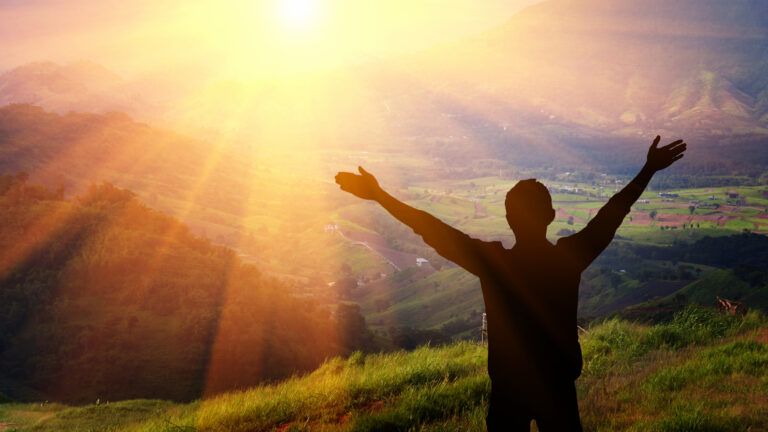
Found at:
(103, 297)
(219, 189)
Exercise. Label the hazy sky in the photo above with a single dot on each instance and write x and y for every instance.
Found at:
(235, 38)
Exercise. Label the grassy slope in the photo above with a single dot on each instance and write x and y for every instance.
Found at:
(701, 372)
(422, 302)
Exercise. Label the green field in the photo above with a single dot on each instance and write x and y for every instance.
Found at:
(452, 201)
(700, 372)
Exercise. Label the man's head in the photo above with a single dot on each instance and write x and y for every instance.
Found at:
(529, 208)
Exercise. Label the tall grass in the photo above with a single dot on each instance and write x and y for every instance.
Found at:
(709, 367)
(392, 391)
(699, 372)
(616, 343)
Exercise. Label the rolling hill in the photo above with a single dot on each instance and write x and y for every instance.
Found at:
(78, 86)
(103, 297)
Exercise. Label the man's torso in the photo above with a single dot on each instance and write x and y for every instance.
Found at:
(531, 300)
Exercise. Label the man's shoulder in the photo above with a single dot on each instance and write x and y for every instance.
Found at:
(565, 241)
(572, 244)
(496, 245)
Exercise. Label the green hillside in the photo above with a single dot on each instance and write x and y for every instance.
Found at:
(700, 372)
(103, 297)
(411, 298)
(725, 283)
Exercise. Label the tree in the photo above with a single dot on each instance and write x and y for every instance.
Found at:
(353, 332)
(653, 214)
(345, 286)
(691, 209)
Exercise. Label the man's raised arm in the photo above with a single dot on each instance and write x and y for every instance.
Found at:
(588, 243)
(446, 240)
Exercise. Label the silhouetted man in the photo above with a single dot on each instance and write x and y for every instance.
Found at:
(530, 291)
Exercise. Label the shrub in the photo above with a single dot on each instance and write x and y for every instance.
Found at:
(357, 358)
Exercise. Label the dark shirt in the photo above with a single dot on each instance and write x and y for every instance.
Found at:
(530, 295)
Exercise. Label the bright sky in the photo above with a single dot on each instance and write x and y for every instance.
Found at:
(236, 38)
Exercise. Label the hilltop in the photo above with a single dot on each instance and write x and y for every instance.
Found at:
(636, 378)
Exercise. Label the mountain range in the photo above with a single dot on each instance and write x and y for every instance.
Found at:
(557, 74)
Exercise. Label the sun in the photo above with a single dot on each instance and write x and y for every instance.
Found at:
(297, 14)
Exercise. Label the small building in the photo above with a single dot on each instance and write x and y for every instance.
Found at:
(421, 261)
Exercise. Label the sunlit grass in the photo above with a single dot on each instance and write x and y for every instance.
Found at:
(339, 386)
(700, 372)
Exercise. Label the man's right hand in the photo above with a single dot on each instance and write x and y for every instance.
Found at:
(662, 157)
(363, 186)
